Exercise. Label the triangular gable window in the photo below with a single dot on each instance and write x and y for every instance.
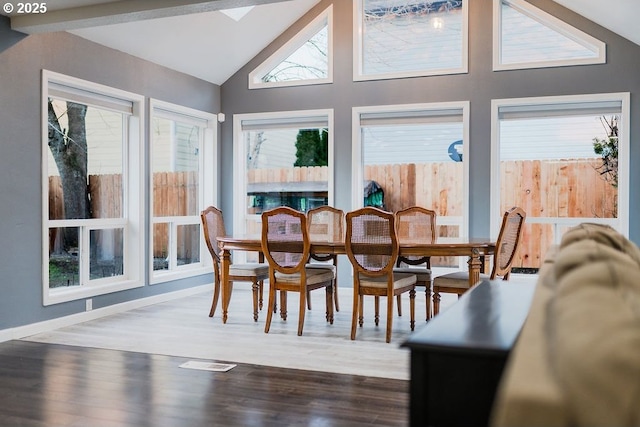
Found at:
(303, 60)
(527, 37)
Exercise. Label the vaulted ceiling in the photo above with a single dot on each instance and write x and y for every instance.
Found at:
(196, 38)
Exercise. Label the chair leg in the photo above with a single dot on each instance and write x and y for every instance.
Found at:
(377, 306)
(329, 290)
(254, 290)
(389, 317)
(308, 299)
(361, 311)
(354, 314)
(283, 305)
(412, 308)
(271, 303)
(399, 298)
(302, 312)
(216, 294)
(261, 290)
(427, 293)
(436, 302)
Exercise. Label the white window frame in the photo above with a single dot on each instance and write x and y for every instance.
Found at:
(208, 194)
(621, 223)
(133, 206)
(310, 30)
(357, 167)
(357, 50)
(552, 22)
(240, 156)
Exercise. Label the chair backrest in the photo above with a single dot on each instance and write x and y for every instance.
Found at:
(285, 239)
(415, 225)
(326, 224)
(212, 227)
(508, 241)
(370, 241)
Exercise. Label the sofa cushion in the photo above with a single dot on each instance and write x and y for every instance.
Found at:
(593, 327)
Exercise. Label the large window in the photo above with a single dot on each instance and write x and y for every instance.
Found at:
(409, 155)
(92, 176)
(564, 160)
(182, 143)
(281, 159)
(305, 59)
(527, 37)
(398, 38)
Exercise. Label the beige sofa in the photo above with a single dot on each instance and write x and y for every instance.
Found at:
(577, 360)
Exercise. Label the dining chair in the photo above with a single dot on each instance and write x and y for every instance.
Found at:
(256, 273)
(506, 248)
(326, 224)
(416, 225)
(372, 247)
(286, 246)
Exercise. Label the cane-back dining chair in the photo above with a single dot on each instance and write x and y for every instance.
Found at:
(286, 246)
(372, 248)
(506, 249)
(326, 224)
(416, 225)
(256, 273)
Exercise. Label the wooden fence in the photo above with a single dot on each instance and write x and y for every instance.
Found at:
(175, 194)
(567, 188)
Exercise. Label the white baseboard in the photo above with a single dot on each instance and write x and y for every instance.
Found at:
(49, 325)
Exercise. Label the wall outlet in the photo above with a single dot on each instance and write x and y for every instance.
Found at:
(89, 304)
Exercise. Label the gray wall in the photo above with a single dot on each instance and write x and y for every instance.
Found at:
(479, 86)
(22, 58)
(21, 61)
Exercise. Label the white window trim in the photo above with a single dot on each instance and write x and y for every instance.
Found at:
(255, 77)
(552, 22)
(357, 50)
(240, 158)
(208, 190)
(357, 170)
(622, 222)
(133, 225)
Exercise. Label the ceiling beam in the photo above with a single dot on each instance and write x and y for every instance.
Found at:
(118, 12)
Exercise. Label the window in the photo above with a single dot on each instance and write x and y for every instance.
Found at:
(92, 181)
(396, 38)
(527, 37)
(408, 155)
(281, 159)
(182, 143)
(306, 59)
(545, 160)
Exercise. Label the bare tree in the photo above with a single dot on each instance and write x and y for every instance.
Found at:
(607, 149)
(69, 150)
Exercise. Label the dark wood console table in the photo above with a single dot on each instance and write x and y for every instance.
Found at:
(458, 357)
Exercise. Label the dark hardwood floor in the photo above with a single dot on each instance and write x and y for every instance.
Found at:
(58, 385)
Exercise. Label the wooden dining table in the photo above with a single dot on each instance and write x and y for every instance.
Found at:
(476, 249)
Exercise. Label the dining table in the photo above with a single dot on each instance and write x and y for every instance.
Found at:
(476, 250)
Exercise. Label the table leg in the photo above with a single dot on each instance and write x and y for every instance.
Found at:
(225, 260)
(475, 265)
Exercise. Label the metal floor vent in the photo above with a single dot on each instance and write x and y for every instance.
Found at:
(208, 366)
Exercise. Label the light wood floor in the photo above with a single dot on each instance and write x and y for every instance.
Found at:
(182, 328)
